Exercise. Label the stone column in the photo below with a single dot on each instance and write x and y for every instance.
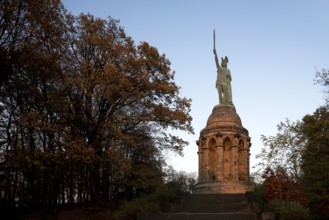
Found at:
(205, 162)
(235, 167)
(248, 165)
(247, 152)
(242, 161)
(220, 162)
(219, 157)
(200, 153)
(235, 163)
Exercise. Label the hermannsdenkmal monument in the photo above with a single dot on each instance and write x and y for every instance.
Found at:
(223, 149)
(223, 145)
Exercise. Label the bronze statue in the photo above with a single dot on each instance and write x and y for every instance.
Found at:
(223, 82)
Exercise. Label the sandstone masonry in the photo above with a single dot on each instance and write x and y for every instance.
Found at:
(223, 149)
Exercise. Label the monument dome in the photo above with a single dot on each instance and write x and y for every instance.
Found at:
(223, 115)
(224, 118)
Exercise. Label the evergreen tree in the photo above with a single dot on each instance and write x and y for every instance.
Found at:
(315, 157)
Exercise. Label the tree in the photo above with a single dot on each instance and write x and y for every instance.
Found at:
(84, 112)
(30, 108)
(117, 90)
(315, 157)
(296, 159)
(186, 181)
(279, 185)
(298, 156)
(322, 78)
(283, 150)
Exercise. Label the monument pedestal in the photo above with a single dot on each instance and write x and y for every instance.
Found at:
(223, 187)
(223, 154)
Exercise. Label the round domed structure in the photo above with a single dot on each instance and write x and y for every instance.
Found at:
(223, 114)
(224, 118)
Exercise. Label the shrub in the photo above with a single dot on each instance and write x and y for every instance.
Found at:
(257, 198)
(130, 209)
(158, 201)
(287, 210)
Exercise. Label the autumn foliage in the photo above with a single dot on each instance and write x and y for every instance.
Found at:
(278, 185)
(297, 162)
(84, 112)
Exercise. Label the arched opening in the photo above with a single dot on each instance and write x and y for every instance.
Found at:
(227, 159)
(212, 160)
(241, 161)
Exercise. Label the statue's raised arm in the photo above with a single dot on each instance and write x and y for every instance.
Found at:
(216, 60)
(216, 57)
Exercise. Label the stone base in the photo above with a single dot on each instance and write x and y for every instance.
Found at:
(225, 187)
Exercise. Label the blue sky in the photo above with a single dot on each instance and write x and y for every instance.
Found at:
(274, 48)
